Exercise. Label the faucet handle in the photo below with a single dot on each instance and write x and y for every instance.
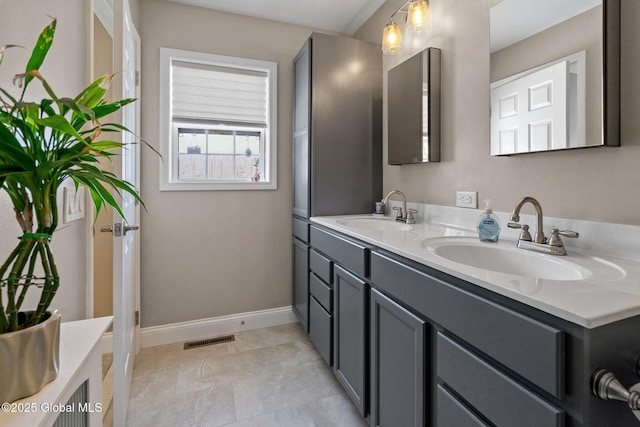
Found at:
(410, 218)
(400, 213)
(525, 235)
(555, 240)
(566, 233)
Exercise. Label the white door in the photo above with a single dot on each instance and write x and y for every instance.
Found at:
(530, 112)
(126, 272)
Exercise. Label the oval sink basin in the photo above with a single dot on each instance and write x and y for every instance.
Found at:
(373, 223)
(505, 258)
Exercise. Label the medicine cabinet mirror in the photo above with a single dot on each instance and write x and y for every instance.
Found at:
(554, 75)
(413, 99)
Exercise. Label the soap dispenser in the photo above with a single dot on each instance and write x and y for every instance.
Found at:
(488, 225)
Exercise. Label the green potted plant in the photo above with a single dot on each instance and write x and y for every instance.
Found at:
(43, 144)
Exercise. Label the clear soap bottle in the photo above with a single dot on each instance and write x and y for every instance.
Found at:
(488, 225)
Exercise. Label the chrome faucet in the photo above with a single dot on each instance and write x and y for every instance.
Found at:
(515, 217)
(403, 215)
(540, 243)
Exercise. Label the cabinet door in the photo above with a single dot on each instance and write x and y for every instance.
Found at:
(301, 114)
(320, 332)
(398, 361)
(301, 282)
(350, 331)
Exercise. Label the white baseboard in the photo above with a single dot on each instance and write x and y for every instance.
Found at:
(215, 326)
(207, 328)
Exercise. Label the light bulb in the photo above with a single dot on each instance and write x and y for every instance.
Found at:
(418, 15)
(391, 38)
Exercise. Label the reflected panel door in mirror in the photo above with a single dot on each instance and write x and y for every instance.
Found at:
(554, 74)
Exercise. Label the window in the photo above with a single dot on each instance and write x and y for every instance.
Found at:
(217, 122)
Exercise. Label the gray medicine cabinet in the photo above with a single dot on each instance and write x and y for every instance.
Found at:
(413, 98)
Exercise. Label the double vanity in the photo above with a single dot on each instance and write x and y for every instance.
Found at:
(426, 325)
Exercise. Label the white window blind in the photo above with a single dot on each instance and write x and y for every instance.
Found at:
(219, 94)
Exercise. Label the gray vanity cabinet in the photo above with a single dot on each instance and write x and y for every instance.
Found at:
(414, 346)
(398, 364)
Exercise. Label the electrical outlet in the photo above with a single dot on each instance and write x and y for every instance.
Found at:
(467, 199)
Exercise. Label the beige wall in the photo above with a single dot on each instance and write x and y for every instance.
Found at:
(214, 253)
(598, 184)
(20, 23)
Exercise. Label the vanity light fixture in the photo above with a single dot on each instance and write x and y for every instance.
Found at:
(417, 19)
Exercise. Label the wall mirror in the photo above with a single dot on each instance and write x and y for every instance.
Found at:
(554, 75)
(413, 99)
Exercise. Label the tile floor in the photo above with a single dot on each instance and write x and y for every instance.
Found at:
(266, 377)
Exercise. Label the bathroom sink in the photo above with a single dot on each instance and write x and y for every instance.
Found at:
(504, 257)
(374, 223)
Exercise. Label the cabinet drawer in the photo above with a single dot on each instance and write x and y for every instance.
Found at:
(528, 347)
(345, 252)
(321, 330)
(321, 291)
(500, 399)
(452, 412)
(301, 230)
(321, 265)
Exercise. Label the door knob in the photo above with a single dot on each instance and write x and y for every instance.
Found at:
(128, 227)
(119, 229)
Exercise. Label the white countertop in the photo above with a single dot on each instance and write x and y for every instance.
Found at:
(610, 294)
(79, 340)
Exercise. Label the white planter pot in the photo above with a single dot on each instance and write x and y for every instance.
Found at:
(30, 359)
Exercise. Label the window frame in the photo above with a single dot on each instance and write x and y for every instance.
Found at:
(169, 175)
